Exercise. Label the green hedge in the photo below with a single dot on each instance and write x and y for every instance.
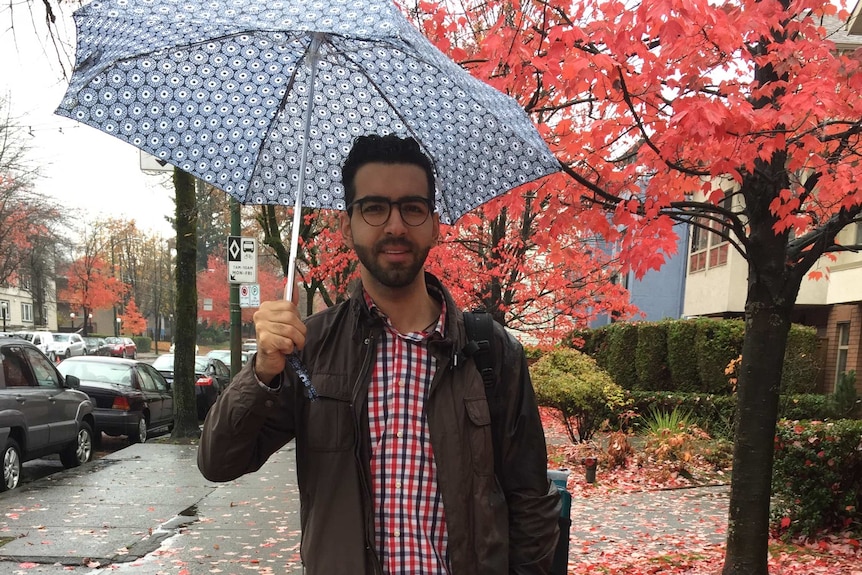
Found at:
(715, 412)
(144, 343)
(651, 356)
(716, 344)
(683, 371)
(622, 341)
(690, 355)
(799, 374)
(817, 477)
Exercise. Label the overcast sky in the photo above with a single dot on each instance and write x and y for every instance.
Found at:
(92, 173)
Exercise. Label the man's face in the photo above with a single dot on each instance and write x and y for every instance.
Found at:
(393, 253)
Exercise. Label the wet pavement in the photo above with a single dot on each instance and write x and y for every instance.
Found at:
(147, 510)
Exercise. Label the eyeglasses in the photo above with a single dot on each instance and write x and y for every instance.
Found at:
(376, 210)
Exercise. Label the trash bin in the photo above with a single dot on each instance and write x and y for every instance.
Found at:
(561, 555)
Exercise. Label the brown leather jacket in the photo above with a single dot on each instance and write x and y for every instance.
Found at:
(506, 524)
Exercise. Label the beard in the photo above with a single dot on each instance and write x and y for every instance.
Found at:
(392, 275)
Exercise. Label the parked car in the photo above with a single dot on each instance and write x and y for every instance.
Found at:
(96, 346)
(130, 397)
(67, 345)
(41, 412)
(173, 348)
(211, 377)
(41, 339)
(249, 345)
(223, 355)
(122, 347)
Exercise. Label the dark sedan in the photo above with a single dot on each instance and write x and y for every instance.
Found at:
(96, 346)
(212, 376)
(130, 397)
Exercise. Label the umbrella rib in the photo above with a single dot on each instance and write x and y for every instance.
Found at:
(394, 108)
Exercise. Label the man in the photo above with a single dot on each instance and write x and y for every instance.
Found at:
(395, 462)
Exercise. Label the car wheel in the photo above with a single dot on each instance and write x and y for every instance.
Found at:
(68, 354)
(11, 465)
(134, 355)
(140, 434)
(81, 451)
(124, 354)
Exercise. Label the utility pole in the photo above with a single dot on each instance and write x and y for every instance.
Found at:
(235, 311)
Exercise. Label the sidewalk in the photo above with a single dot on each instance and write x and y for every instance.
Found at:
(147, 510)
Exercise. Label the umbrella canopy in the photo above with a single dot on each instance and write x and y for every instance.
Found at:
(264, 99)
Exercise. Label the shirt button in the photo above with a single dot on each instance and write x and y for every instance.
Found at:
(398, 484)
(396, 533)
(400, 384)
(399, 434)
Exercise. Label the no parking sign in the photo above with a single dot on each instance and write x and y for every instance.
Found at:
(249, 295)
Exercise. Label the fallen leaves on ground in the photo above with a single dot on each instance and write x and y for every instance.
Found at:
(641, 546)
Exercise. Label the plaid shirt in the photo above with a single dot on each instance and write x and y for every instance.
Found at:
(409, 519)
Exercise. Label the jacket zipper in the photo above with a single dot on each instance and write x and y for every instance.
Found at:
(357, 385)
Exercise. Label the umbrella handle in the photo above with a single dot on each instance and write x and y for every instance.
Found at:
(302, 373)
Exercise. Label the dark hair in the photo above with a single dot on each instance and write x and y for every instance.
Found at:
(389, 149)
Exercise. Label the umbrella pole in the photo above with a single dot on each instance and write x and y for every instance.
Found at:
(312, 57)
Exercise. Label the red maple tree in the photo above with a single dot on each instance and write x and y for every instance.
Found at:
(131, 321)
(213, 285)
(91, 285)
(742, 119)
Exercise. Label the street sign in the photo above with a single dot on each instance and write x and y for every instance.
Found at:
(241, 260)
(249, 295)
(150, 163)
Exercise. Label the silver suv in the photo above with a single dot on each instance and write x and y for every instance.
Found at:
(41, 412)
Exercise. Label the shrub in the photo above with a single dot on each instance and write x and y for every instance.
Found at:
(143, 343)
(817, 476)
(844, 401)
(670, 436)
(621, 344)
(683, 369)
(716, 343)
(799, 374)
(651, 356)
(582, 393)
(805, 406)
(712, 413)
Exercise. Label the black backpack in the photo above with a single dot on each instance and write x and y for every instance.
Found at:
(480, 346)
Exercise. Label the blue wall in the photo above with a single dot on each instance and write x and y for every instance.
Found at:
(659, 294)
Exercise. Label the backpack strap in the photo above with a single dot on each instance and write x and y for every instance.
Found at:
(480, 346)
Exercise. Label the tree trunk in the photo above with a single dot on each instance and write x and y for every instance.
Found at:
(773, 284)
(185, 322)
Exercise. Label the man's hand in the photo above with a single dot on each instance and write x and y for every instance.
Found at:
(280, 331)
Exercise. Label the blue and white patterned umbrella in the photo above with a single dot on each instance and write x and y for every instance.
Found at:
(264, 99)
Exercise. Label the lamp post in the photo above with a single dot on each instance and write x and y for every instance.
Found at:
(88, 320)
(72, 319)
(117, 327)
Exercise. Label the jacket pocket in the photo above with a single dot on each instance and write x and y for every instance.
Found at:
(479, 435)
(330, 416)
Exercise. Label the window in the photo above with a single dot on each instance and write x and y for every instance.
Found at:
(5, 310)
(708, 249)
(46, 375)
(843, 348)
(27, 313)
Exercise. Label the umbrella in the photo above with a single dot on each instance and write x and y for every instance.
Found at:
(264, 99)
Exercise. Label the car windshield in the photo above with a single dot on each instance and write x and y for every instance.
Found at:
(94, 371)
(92, 340)
(164, 362)
(61, 337)
(113, 340)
